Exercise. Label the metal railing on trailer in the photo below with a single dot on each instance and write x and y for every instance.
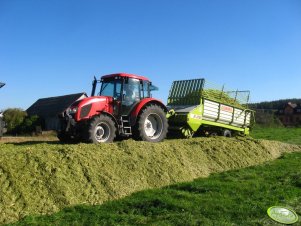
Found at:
(190, 92)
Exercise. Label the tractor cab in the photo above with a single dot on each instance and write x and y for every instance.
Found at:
(127, 90)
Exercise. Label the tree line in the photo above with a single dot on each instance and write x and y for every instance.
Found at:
(265, 111)
(18, 122)
(274, 105)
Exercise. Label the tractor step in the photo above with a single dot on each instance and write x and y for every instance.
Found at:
(125, 126)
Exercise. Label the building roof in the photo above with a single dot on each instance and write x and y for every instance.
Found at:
(126, 75)
(292, 105)
(52, 106)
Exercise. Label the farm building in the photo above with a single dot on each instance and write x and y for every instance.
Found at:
(49, 108)
(290, 115)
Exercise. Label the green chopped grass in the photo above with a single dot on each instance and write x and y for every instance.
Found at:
(220, 96)
(44, 177)
(238, 197)
(193, 98)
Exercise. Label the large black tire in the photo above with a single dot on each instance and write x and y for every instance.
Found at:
(151, 124)
(101, 129)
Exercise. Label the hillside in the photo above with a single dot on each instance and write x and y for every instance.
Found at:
(266, 112)
(42, 178)
(273, 105)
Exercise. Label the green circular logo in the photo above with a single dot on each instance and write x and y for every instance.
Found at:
(282, 215)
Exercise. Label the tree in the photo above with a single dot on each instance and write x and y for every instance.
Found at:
(13, 117)
(29, 124)
(18, 122)
(267, 118)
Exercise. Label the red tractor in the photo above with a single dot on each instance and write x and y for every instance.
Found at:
(123, 107)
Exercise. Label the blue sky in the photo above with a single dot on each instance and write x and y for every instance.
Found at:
(51, 48)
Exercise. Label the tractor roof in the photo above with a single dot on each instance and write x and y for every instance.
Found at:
(126, 75)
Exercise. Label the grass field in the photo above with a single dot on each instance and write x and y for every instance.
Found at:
(283, 134)
(238, 197)
(44, 177)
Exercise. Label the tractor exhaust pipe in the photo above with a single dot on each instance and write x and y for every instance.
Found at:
(94, 83)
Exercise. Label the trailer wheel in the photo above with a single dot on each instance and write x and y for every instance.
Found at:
(101, 129)
(152, 124)
(227, 133)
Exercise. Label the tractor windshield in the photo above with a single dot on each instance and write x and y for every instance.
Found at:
(111, 88)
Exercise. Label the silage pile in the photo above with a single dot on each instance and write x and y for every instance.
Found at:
(45, 177)
(193, 98)
(220, 96)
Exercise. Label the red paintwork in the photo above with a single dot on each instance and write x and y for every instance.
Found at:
(105, 103)
(99, 104)
(142, 103)
(126, 75)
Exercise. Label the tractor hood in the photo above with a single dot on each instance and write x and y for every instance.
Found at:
(90, 106)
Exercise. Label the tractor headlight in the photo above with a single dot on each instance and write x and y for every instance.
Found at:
(73, 110)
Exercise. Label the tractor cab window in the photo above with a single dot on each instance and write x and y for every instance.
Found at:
(131, 90)
(111, 88)
(130, 94)
(145, 89)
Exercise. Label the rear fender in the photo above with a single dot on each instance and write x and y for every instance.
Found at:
(142, 104)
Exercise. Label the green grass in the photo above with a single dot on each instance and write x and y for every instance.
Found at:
(238, 197)
(288, 135)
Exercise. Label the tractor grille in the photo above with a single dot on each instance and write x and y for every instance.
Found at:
(85, 110)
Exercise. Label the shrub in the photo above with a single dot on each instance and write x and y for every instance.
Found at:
(18, 122)
(13, 117)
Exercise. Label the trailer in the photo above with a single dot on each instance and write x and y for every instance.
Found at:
(196, 106)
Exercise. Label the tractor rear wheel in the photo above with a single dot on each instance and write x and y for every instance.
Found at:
(152, 124)
(101, 129)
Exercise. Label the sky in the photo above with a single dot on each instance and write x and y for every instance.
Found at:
(52, 48)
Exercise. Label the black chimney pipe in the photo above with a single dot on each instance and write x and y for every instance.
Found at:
(94, 83)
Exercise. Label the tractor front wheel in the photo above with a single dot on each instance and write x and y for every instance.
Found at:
(101, 129)
(152, 124)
